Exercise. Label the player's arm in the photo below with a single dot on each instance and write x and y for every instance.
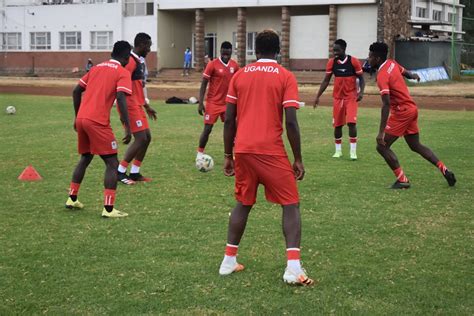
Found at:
(361, 87)
(76, 101)
(149, 110)
(230, 128)
(383, 118)
(322, 88)
(411, 75)
(202, 92)
(293, 134)
(122, 104)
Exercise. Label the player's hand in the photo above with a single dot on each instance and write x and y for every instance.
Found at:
(298, 168)
(360, 96)
(128, 136)
(229, 167)
(381, 139)
(151, 112)
(416, 77)
(201, 109)
(316, 103)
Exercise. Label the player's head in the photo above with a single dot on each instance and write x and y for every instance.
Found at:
(339, 48)
(226, 51)
(377, 54)
(121, 52)
(267, 44)
(142, 44)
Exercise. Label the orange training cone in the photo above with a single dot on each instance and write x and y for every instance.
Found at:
(29, 174)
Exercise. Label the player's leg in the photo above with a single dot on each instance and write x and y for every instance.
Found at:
(415, 145)
(140, 140)
(77, 177)
(139, 157)
(351, 119)
(391, 159)
(204, 138)
(338, 121)
(353, 140)
(110, 186)
(337, 142)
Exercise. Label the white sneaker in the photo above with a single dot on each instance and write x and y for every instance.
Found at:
(114, 214)
(337, 154)
(353, 155)
(226, 269)
(297, 278)
(199, 155)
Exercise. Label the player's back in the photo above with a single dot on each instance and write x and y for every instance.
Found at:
(102, 83)
(261, 91)
(391, 81)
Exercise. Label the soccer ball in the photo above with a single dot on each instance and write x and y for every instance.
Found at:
(205, 163)
(10, 109)
(193, 100)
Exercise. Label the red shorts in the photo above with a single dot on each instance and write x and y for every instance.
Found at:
(274, 172)
(95, 138)
(213, 112)
(403, 122)
(137, 118)
(344, 111)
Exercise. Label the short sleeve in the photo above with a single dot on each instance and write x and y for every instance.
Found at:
(329, 66)
(383, 83)
(83, 81)
(290, 95)
(357, 66)
(232, 91)
(124, 82)
(208, 71)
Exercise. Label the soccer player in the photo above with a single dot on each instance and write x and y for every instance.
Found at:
(218, 74)
(346, 94)
(258, 96)
(137, 106)
(101, 86)
(399, 116)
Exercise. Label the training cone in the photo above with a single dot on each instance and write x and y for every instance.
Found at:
(29, 174)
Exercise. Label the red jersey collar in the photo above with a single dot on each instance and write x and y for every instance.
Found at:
(225, 65)
(383, 64)
(343, 61)
(266, 60)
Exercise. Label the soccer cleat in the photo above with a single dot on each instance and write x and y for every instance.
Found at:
(294, 278)
(337, 154)
(122, 177)
(114, 214)
(449, 176)
(400, 185)
(70, 204)
(353, 155)
(137, 177)
(226, 269)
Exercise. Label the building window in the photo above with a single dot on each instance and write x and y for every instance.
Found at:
(40, 40)
(251, 43)
(451, 16)
(10, 41)
(420, 12)
(102, 40)
(70, 40)
(138, 7)
(437, 15)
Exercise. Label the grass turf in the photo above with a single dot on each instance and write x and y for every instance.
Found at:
(373, 250)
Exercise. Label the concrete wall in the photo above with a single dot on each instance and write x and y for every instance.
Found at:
(416, 55)
(173, 37)
(309, 36)
(357, 25)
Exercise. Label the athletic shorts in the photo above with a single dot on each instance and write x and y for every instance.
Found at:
(95, 138)
(274, 172)
(344, 111)
(403, 122)
(213, 113)
(137, 118)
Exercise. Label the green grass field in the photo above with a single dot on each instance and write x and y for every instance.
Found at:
(373, 250)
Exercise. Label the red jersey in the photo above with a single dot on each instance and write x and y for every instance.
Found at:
(102, 83)
(137, 70)
(260, 92)
(219, 76)
(390, 81)
(345, 73)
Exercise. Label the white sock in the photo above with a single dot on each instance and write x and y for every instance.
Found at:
(122, 169)
(353, 146)
(338, 147)
(230, 260)
(135, 169)
(294, 265)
